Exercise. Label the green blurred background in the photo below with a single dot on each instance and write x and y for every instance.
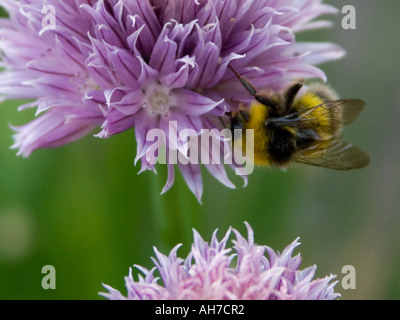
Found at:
(84, 209)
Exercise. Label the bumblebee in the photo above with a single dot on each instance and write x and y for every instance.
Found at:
(299, 125)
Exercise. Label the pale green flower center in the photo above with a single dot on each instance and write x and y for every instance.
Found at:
(158, 100)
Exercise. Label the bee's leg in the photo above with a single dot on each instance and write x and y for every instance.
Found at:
(229, 114)
(244, 115)
(291, 94)
(222, 122)
(236, 124)
(249, 87)
(236, 120)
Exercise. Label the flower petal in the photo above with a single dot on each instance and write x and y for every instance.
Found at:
(193, 104)
(192, 175)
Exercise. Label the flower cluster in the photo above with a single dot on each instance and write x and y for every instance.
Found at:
(142, 64)
(214, 272)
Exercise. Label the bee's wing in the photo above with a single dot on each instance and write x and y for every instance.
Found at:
(348, 109)
(329, 116)
(333, 153)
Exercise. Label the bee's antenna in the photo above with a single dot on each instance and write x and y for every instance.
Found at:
(291, 94)
(249, 87)
(244, 82)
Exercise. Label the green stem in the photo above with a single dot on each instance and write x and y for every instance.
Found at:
(175, 213)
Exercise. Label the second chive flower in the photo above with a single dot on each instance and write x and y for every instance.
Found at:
(212, 271)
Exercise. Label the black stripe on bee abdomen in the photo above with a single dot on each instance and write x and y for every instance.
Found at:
(282, 145)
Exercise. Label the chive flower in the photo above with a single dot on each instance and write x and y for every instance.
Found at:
(144, 64)
(213, 271)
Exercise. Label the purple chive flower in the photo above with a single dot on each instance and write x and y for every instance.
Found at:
(215, 272)
(144, 63)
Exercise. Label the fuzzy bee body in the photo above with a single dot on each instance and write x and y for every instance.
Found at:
(300, 125)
